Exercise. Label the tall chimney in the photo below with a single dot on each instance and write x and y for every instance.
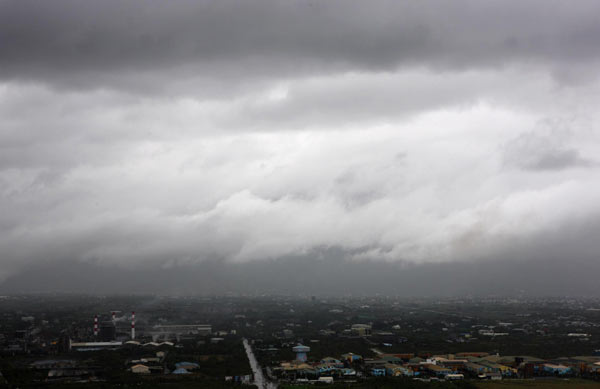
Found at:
(132, 325)
(95, 325)
(114, 318)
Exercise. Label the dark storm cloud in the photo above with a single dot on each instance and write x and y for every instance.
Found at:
(523, 267)
(222, 134)
(125, 44)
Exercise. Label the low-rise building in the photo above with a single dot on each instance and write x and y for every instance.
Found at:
(140, 369)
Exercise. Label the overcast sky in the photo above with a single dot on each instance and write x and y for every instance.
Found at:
(167, 133)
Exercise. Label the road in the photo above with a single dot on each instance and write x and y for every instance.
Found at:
(259, 378)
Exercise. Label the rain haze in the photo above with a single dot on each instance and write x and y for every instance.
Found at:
(300, 146)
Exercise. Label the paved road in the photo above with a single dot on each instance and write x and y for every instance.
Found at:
(259, 378)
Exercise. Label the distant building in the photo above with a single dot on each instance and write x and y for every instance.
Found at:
(438, 371)
(378, 371)
(361, 329)
(393, 370)
(93, 346)
(557, 369)
(477, 354)
(180, 330)
(188, 329)
(140, 369)
(350, 357)
(332, 362)
(187, 365)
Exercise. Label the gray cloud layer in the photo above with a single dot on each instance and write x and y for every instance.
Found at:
(174, 133)
(113, 43)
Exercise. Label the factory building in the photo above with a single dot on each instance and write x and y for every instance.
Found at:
(177, 331)
(93, 346)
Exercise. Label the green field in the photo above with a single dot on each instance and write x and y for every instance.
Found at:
(468, 384)
(546, 384)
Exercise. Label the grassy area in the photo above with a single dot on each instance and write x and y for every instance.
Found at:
(386, 383)
(546, 384)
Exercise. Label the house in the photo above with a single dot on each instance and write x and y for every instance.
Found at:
(187, 365)
(453, 364)
(350, 357)
(378, 372)
(477, 354)
(491, 366)
(375, 362)
(332, 362)
(390, 358)
(476, 368)
(397, 371)
(404, 356)
(324, 368)
(145, 360)
(360, 330)
(348, 372)
(438, 371)
(497, 368)
(556, 369)
(140, 369)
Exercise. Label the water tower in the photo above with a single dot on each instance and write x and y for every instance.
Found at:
(301, 351)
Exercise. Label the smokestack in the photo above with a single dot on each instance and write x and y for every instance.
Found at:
(132, 325)
(114, 318)
(95, 325)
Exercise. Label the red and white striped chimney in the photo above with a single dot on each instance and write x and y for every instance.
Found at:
(114, 317)
(132, 325)
(95, 325)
